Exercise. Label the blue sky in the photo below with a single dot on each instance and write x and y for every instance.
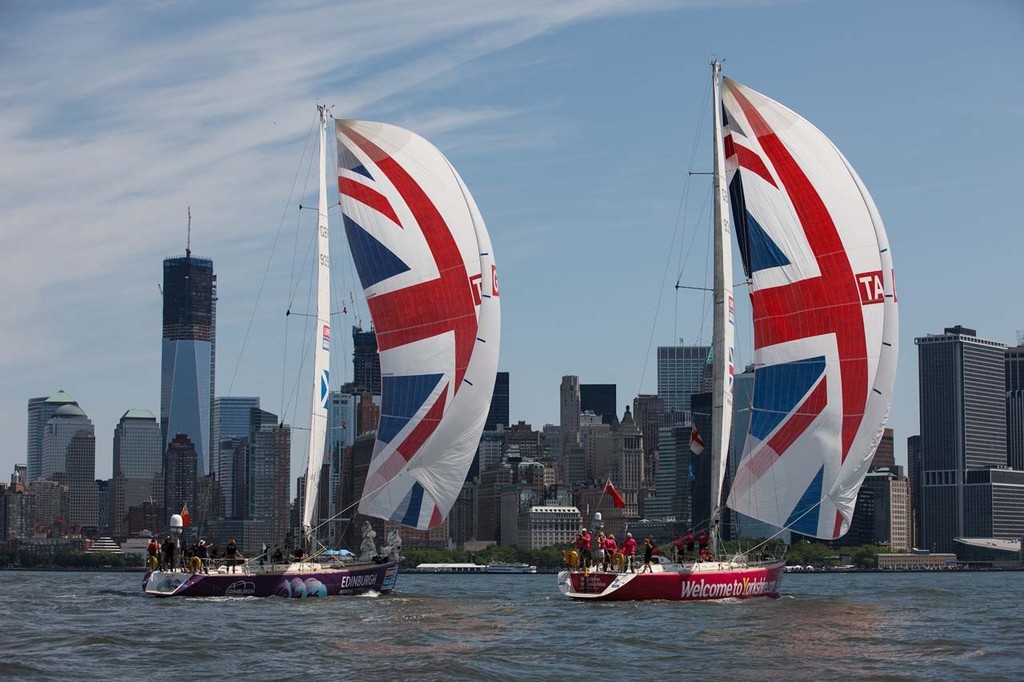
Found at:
(573, 123)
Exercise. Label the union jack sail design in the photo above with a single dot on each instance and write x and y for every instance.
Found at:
(823, 295)
(427, 268)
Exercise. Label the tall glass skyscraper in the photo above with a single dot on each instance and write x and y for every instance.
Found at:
(681, 370)
(962, 384)
(498, 414)
(39, 412)
(188, 357)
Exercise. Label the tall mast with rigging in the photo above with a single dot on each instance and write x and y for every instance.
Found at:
(322, 347)
(723, 317)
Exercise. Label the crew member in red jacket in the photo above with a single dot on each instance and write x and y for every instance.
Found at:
(629, 550)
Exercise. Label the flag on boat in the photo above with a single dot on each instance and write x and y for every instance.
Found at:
(696, 442)
(609, 489)
(185, 521)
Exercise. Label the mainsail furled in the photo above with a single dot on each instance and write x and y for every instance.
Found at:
(322, 341)
(427, 269)
(823, 295)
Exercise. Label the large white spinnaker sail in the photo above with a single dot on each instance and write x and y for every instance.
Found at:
(427, 269)
(823, 295)
(322, 342)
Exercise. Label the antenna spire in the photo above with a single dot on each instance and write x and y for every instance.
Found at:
(188, 239)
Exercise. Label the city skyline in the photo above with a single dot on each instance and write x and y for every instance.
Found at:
(520, 100)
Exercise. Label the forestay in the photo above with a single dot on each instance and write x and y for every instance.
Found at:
(823, 295)
(427, 269)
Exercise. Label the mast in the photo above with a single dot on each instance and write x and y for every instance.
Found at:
(322, 347)
(722, 339)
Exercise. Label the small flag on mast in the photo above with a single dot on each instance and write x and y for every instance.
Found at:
(185, 521)
(696, 442)
(617, 500)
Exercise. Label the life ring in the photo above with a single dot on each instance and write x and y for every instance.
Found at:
(195, 564)
(571, 557)
(618, 558)
(152, 562)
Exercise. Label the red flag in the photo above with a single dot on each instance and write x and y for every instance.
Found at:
(696, 442)
(185, 522)
(609, 489)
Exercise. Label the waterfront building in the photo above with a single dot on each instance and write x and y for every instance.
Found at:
(915, 475)
(547, 525)
(681, 373)
(188, 359)
(882, 515)
(962, 384)
(461, 518)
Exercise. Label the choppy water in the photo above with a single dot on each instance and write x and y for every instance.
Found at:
(517, 627)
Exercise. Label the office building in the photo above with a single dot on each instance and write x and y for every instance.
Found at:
(682, 371)
(69, 457)
(138, 467)
(365, 361)
(498, 413)
(187, 368)
(39, 412)
(569, 412)
(885, 454)
(1015, 407)
(600, 399)
(230, 419)
(962, 384)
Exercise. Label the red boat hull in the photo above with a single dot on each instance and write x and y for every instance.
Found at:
(696, 582)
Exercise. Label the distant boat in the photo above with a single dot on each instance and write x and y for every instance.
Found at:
(427, 268)
(492, 567)
(821, 283)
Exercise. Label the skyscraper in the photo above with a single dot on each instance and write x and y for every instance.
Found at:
(138, 446)
(188, 356)
(39, 412)
(498, 413)
(569, 412)
(69, 456)
(600, 399)
(1015, 406)
(885, 454)
(138, 466)
(230, 419)
(962, 384)
(365, 361)
(681, 370)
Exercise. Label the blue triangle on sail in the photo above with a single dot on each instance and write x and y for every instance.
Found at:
(778, 390)
(411, 516)
(764, 253)
(361, 169)
(803, 520)
(351, 162)
(402, 397)
(757, 250)
(374, 261)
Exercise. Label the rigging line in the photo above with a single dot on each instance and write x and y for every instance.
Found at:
(680, 215)
(266, 269)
